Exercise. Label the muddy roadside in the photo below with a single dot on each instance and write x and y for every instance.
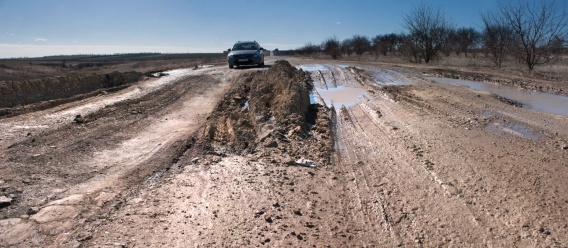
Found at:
(66, 167)
(415, 165)
(267, 162)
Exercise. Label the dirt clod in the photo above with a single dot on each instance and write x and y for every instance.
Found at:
(5, 201)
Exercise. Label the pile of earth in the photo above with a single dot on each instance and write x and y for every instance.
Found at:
(268, 115)
(18, 95)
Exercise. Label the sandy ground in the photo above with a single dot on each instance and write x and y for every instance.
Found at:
(420, 165)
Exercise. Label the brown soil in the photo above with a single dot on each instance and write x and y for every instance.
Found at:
(20, 96)
(219, 157)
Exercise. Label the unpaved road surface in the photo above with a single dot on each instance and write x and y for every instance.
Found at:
(336, 155)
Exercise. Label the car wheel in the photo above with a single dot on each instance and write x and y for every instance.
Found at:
(231, 66)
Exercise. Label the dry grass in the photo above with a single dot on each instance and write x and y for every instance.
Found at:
(555, 73)
(37, 68)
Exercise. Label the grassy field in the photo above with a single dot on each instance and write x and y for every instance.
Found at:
(21, 69)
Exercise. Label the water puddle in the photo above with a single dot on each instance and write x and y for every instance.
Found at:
(313, 98)
(311, 68)
(338, 96)
(539, 101)
(390, 78)
(513, 129)
(178, 72)
(487, 112)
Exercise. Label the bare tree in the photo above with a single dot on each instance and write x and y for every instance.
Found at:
(408, 49)
(361, 44)
(537, 26)
(377, 46)
(452, 43)
(309, 48)
(385, 43)
(497, 38)
(347, 46)
(467, 38)
(429, 31)
(332, 47)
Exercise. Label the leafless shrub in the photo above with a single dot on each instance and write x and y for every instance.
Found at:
(309, 48)
(361, 44)
(388, 43)
(332, 47)
(347, 46)
(467, 38)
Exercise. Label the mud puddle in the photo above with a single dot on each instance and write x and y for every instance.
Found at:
(339, 96)
(513, 129)
(389, 78)
(542, 102)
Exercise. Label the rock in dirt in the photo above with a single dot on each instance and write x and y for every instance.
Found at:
(79, 119)
(54, 213)
(5, 201)
(305, 162)
(32, 210)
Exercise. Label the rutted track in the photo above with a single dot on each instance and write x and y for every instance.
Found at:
(429, 170)
(416, 164)
(120, 140)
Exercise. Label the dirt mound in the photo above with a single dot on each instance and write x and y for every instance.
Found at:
(15, 93)
(268, 113)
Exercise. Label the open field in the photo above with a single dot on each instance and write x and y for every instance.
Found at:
(36, 68)
(337, 154)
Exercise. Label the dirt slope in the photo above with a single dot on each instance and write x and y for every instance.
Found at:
(200, 162)
(67, 168)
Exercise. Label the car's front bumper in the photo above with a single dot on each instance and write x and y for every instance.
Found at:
(245, 60)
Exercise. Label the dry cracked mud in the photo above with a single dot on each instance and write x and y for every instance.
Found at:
(329, 154)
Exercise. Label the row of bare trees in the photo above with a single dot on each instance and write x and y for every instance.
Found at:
(532, 32)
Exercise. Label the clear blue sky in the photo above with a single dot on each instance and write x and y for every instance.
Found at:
(30, 28)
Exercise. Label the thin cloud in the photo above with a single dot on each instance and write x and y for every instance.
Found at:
(338, 23)
(40, 40)
(10, 34)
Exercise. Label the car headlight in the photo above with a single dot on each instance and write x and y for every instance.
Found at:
(256, 55)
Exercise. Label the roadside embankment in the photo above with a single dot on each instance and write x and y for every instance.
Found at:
(19, 93)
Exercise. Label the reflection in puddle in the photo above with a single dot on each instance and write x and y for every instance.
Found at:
(544, 102)
(487, 112)
(339, 96)
(388, 78)
(178, 72)
(311, 68)
(513, 129)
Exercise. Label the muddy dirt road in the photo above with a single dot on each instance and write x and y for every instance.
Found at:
(334, 155)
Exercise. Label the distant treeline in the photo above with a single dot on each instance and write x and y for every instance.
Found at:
(525, 31)
(126, 57)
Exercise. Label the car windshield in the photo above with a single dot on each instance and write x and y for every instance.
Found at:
(245, 46)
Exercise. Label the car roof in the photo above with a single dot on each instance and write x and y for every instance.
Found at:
(238, 42)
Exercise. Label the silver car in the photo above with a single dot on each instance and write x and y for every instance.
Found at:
(246, 53)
